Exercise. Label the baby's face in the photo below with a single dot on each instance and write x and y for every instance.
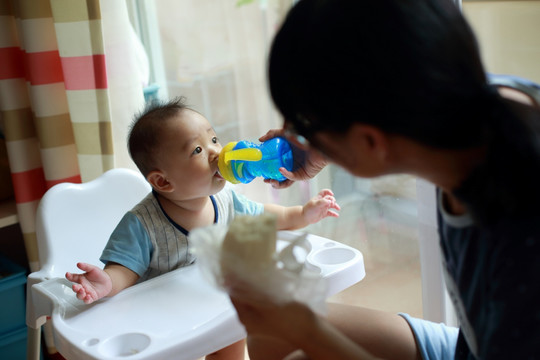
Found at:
(188, 156)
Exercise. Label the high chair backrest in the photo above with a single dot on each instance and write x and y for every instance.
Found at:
(74, 221)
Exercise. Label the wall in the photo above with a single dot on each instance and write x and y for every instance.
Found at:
(509, 35)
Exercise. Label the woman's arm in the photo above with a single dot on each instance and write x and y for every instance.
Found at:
(293, 324)
(323, 341)
(348, 332)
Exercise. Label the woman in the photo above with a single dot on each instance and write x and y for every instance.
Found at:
(397, 86)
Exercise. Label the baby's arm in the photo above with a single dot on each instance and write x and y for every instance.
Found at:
(296, 217)
(96, 283)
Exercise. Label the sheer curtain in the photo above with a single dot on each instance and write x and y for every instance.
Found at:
(215, 53)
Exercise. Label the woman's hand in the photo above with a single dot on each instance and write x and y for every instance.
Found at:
(263, 317)
(292, 325)
(306, 162)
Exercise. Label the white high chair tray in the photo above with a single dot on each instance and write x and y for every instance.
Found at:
(156, 318)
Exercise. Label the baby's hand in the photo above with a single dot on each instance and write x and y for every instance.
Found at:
(92, 285)
(320, 207)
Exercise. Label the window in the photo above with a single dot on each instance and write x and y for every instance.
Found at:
(214, 53)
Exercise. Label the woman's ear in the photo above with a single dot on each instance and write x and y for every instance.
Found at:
(159, 182)
(368, 139)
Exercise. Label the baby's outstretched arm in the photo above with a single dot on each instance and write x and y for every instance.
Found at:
(295, 217)
(96, 283)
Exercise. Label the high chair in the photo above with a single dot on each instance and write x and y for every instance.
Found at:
(178, 315)
(73, 223)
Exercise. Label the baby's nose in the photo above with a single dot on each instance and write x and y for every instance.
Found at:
(214, 153)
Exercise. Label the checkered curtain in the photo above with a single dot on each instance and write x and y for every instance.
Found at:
(53, 99)
(59, 94)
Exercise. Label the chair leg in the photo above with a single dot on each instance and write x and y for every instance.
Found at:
(33, 345)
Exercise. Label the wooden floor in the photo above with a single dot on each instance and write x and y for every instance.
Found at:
(388, 240)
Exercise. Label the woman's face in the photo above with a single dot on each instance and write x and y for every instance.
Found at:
(360, 150)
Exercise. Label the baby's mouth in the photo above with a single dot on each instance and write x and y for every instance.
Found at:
(218, 175)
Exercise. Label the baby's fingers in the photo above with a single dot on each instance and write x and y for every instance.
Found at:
(79, 290)
(333, 202)
(76, 278)
(88, 299)
(85, 267)
(325, 192)
(332, 213)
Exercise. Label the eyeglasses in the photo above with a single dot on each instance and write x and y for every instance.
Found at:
(302, 126)
(301, 142)
(291, 135)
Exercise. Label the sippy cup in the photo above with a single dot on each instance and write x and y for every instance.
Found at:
(242, 161)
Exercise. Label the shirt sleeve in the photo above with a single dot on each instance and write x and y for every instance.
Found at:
(129, 245)
(244, 206)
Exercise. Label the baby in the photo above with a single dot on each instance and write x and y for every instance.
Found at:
(177, 150)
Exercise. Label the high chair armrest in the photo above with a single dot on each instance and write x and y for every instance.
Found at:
(32, 319)
(41, 296)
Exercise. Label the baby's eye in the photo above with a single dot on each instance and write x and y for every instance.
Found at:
(215, 140)
(197, 150)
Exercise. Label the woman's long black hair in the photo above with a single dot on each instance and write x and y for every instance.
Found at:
(408, 67)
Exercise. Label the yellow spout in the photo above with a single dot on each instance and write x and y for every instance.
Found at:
(227, 154)
(224, 167)
(247, 154)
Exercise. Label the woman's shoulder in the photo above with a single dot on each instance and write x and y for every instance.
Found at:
(518, 229)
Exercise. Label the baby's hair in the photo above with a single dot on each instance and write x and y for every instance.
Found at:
(145, 131)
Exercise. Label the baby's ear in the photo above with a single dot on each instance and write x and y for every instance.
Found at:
(158, 181)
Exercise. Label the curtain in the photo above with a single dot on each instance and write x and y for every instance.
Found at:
(70, 82)
(59, 94)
